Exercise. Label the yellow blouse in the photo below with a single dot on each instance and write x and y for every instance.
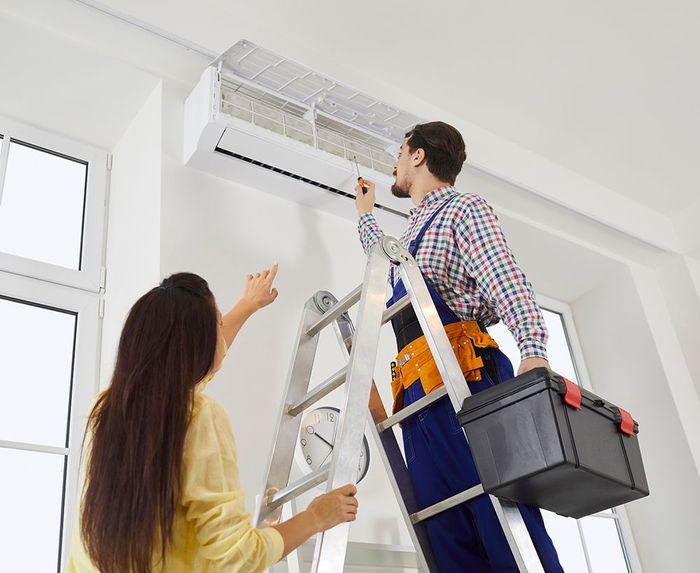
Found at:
(211, 531)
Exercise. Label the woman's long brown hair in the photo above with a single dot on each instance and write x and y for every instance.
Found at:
(138, 425)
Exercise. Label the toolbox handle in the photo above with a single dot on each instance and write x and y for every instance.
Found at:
(572, 394)
(627, 424)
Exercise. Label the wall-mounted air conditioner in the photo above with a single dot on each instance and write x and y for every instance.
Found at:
(266, 122)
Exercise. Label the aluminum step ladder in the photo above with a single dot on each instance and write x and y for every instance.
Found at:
(323, 310)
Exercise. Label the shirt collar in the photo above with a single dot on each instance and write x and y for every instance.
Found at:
(434, 196)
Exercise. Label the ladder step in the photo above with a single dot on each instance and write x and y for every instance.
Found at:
(298, 487)
(344, 304)
(396, 308)
(326, 387)
(417, 406)
(339, 308)
(445, 504)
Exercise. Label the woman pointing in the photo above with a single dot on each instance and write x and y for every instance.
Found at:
(161, 491)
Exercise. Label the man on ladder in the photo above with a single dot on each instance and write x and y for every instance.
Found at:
(474, 281)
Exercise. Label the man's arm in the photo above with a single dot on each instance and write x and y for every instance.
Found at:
(499, 279)
(367, 226)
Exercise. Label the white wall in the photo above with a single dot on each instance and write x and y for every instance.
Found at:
(626, 368)
(682, 299)
(133, 235)
(223, 231)
(694, 270)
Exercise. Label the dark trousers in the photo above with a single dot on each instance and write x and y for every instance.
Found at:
(468, 537)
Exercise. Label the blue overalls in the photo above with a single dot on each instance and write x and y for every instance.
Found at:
(467, 538)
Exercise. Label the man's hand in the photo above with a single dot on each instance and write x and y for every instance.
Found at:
(530, 363)
(364, 202)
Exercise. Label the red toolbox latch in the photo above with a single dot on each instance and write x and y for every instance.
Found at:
(626, 421)
(572, 396)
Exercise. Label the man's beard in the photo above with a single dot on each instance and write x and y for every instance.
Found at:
(400, 191)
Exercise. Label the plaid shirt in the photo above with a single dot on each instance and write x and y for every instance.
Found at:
(464, 255)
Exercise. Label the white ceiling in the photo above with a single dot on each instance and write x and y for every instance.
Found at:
(49, 72)
(605, 89)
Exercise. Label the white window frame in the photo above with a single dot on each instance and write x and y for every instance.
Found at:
(85, 380)
(90, 277)
(79, 291)
(620, 513)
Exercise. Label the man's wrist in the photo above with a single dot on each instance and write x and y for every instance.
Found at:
(535, 360)
(532, 362)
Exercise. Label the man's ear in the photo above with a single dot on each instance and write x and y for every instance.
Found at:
(418, 156)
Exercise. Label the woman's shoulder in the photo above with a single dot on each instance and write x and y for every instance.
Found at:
(204, 406)
(209, 429)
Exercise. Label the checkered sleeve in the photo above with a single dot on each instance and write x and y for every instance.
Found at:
(369, 231)
(499, 279)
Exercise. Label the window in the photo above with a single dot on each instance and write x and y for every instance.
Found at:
(52, 197)
(52, 194)
(593, 544)
(37, 391)
(43, 196)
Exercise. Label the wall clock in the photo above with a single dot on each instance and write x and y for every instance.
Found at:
(317, 438)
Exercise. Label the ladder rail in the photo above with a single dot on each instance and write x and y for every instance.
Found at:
(393, 461)
(332, 544)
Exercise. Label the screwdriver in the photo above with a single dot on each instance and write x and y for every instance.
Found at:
(360, 180)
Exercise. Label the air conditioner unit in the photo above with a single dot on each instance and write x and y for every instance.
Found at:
(268, 123)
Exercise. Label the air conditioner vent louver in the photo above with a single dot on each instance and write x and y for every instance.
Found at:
(280, 116)
(302, 178)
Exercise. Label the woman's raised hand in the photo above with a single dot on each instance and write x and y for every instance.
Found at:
(258, 291)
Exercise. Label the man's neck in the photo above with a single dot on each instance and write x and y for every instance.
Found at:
(421, 188)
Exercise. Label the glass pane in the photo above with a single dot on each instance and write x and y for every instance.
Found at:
(36, 369)
(31, 495)
(604, 546)
(500, 333)
(41, 214)
(557, 347)
(567, 541)
(558, 351)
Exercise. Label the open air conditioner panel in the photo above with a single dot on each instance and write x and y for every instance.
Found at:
(242, 123)
(293, 82)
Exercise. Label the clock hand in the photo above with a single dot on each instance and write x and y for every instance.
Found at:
(323, 440)
(324, 459)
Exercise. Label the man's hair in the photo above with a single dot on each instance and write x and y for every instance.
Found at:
(443, 146)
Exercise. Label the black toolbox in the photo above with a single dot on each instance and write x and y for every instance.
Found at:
(540, 439)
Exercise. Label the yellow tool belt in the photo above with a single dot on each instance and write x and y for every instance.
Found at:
(415, 361)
